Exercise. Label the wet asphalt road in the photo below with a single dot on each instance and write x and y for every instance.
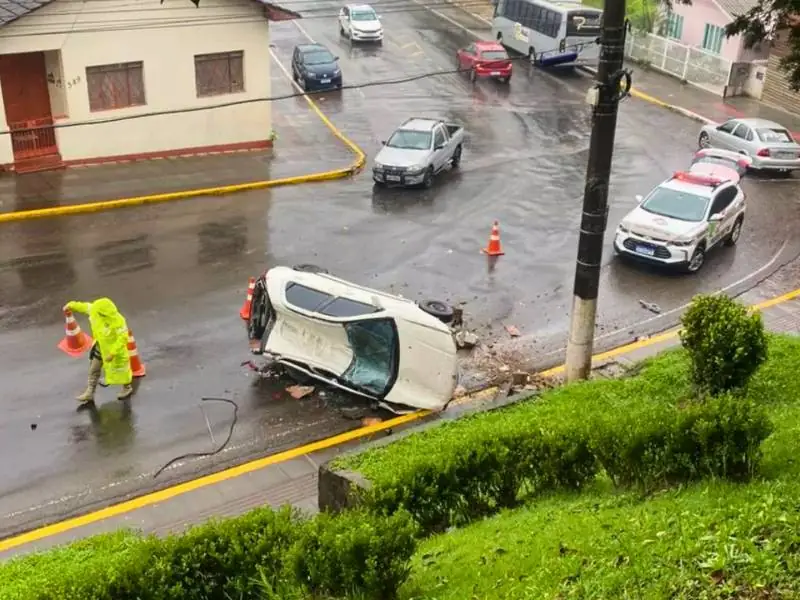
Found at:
(179, 272)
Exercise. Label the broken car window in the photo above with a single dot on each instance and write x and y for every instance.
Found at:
(374, 345)
(305, 298)
(343, 307)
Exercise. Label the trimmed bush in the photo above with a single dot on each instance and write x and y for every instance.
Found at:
(644, 430)
(354, 552)
(233, 559)
(720, 437)
(725, 343)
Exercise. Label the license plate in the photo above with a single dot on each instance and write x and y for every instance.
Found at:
(325, 80)
(786, 155)
(644, 250)
(393, 178)
(495, 72)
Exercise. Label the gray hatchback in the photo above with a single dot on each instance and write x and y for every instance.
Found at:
(770, 145)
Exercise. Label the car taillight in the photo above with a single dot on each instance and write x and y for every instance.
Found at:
(763, 152)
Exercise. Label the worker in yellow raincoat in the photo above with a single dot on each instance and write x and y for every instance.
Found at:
(109, 353)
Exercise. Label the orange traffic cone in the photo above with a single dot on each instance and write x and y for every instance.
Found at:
(137, 366)
(494, 248)
(244, 313)
(75, 342)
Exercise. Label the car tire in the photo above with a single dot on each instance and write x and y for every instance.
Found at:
(306, 268)
(473, 75)
(341, 30)
(532, 55)
(735, 233)
(704, 141)
(435, 308)
(427, 180)
(456, 161)
(697, 261)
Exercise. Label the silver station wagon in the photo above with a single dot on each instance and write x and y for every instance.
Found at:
(769, 144)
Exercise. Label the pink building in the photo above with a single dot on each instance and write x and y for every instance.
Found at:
(701, 24)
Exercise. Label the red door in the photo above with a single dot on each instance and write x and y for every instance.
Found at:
(27, 101)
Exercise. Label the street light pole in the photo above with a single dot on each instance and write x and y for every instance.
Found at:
(611, 85)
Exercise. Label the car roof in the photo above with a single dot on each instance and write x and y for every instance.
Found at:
(488, 45)
(705, 191)
(760, 123)
(420, 124)
(400, 307)
(303, 48)
(357, 7)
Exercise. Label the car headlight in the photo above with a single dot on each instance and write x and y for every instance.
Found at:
(622, 229)
(337, 72)
(311, 75)
(378, 166)
(415, 170)
(682, 243)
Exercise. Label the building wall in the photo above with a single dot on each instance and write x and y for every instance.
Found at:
(701, 12)
(776, 84)
(165, 37)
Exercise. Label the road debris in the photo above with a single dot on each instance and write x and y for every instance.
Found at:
(300, 391)
(519, 379)
(466, 339)
(651, 306)
(512, 331)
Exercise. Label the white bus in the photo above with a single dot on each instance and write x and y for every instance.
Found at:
(552, 33)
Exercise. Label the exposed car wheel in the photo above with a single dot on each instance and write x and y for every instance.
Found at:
(704, 141)
(532, 55)
(697, 261)
(456, 157)
(440, 310)
(733, 236)
(427, 181)
(500, 37)
(472, 75)
(304, 268)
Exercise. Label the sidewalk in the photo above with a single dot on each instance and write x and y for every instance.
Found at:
(304, 145)
(705, 104)
(291, 477)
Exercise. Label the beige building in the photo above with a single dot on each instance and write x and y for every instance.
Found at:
(69, 62)
(776, 85)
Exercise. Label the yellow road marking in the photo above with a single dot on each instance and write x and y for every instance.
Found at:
(104, 205)
(249, 467)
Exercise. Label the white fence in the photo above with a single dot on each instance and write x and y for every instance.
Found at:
(693, 65)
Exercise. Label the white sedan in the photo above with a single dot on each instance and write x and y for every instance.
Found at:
(360, 23)
(683, 218)
(360, 340)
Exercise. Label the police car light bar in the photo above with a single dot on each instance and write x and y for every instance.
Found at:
(697, 179)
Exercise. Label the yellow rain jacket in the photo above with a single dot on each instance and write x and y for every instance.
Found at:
(110, 331)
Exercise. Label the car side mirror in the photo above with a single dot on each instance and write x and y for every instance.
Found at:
(439, 147)
(383, 142)
(335, 58)
(715, 218)
(639, 198)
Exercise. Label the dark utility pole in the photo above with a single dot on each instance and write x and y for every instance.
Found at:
(611, 85)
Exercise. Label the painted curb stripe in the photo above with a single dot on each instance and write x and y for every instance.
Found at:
(338, 440)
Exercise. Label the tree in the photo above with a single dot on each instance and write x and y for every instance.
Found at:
(762, 23)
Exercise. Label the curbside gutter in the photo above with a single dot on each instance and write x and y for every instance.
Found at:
(104, 205)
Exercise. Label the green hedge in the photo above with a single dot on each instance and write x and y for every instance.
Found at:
(234, 559)
(644, 430)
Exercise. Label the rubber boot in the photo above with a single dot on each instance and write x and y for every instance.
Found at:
(125, 392)
(95, 368)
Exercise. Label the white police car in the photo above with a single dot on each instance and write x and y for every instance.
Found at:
(684, 217)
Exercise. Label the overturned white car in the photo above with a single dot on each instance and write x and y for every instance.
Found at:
(360, 340)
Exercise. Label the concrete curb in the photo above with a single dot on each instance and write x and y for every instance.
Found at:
(104, 205)
(653, 100)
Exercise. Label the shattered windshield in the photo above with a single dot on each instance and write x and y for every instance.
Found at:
(375, 355)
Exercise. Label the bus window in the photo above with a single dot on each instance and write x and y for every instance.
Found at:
(536, 18)
(584, 23)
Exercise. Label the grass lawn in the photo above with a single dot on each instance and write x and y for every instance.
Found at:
(708, 540)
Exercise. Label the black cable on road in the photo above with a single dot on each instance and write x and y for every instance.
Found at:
(213, 452)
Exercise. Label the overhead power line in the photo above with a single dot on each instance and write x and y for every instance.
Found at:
(368, 84)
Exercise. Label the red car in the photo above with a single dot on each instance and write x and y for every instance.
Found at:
(485, 59)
